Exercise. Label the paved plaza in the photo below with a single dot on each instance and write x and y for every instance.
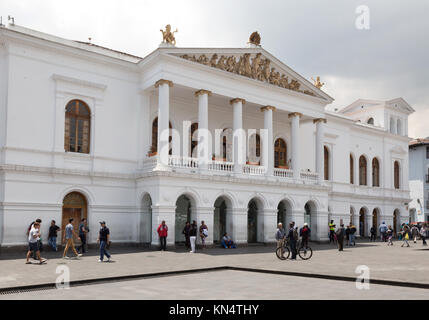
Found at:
(407, 265)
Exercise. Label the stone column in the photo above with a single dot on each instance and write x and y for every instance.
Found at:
(163, 121)
(295, 144)
(239, 147)
(167, 213)
(206, 215)
(203, 127)
(268, 155)
(239, 225)
(297, 216)
(320, 154)
(322, 226)
(269, 225)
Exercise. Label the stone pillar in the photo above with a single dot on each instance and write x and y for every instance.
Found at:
(206, 215)
(167, 213)
(322, 226)
(203, 127)
(320, 153)
(297, 216)
(239, 147)
(268, 156)
(295, 144)
(239, 225)
(269, 225)
(163, 121)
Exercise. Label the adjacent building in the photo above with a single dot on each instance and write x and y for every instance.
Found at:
(231, 136)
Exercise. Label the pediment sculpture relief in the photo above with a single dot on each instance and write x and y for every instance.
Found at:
(256, 67)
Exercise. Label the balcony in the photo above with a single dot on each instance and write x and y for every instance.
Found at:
(225, 168)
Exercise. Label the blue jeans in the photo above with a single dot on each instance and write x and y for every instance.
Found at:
(53, 243)
(103, 250)
(351, 239)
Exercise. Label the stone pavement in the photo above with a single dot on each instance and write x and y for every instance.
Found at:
(385, 263)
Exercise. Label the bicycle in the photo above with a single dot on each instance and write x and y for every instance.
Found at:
(283, 253)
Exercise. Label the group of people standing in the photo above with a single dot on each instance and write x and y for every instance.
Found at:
(35, 245)
(292, 236)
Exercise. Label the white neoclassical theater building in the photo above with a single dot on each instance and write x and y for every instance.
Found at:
(83, 134)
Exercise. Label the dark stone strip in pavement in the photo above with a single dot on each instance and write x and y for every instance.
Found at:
(334, 277)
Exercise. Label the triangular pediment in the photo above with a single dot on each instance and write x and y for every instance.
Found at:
(252, 63)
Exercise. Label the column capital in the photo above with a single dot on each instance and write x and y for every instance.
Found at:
(322, 120)
(232, 101)
(294, 114)
(202, 91)
(266, 108)
(163, 81)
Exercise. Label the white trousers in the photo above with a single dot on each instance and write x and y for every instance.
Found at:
(193, 240)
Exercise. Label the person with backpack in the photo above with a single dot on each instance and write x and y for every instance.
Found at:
(383, 229)
(305, 233)
(293, 238)
(193, 235)
(340, 233)
(204, 233)
(424, 233)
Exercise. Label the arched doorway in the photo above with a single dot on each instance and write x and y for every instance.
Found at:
(375, 220)
(310, 212)
(146, 220)
(396, 222)
(284, 209)
(362, 229)
(222, 220)
(74, 206)
(280, 154)
(183, 214)
(254, 209)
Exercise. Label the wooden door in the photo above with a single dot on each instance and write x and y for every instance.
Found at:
(76, 214)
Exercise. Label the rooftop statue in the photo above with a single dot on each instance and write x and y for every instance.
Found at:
(317, 83)
(168, 35)
(255, 38)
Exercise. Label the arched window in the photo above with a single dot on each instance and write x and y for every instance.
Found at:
(326, 162)
(77, 127)
(280, 153)
(396, 174)
(352, 169)
(362, 171)
(227, 138)
(194, 128)
(375, 173)
(154, 147)
(370, 121)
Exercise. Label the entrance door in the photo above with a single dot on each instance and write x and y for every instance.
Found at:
(75, 213)
(252, 223)
(362, 222)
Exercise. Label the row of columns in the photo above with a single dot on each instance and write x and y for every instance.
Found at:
(238, 133)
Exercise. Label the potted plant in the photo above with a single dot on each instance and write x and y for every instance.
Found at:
(283, 165)
(152, 152)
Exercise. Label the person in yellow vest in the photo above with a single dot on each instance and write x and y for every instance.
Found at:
(332, 232)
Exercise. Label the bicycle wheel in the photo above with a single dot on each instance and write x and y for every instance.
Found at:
(285, 255)
(305, 253)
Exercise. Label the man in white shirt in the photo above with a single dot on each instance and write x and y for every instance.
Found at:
(33, 243)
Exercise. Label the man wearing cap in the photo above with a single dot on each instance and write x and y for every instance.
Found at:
(104, 239)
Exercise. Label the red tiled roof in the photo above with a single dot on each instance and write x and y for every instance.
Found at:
(419, 141)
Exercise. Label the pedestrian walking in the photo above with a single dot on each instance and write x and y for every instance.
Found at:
(373, 233)
(340, 233)
(39, 241)
(332, 232)
(204, 233)
(186, 231)
(293, 238)
(193, 235)
(405, 235)
(389, 235)
(414, 233)
(383, 229)
(163, 233)
(33, 243)
(68, 237)
(424, 233)
(104, 240)
(83, 230)
(305, 233)
(352, 235)
(52, 235)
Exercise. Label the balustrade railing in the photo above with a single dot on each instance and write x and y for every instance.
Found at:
(309, 176)
(253, 170)
(283, 173)
(221, 166)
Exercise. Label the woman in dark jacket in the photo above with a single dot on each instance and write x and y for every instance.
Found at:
(187, 232)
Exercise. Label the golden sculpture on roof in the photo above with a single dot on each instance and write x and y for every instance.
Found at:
(168, 35)
(317, 83)
(255, 38)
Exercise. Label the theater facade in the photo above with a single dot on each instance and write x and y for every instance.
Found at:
(231, 136)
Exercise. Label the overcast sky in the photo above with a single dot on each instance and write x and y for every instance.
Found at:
(313, 37)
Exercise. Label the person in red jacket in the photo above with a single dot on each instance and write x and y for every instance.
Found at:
(163, 232)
